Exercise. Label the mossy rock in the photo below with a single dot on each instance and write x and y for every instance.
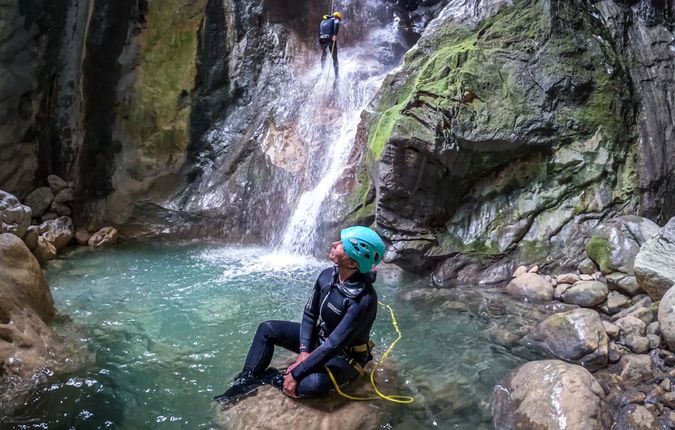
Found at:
(599, 250)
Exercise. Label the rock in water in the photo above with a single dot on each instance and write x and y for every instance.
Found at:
(549, 394)
(58, 232)
(103, 236)
(655, 263)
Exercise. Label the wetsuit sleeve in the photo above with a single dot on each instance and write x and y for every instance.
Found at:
(309, 317)
(336, 341)
(336, 27)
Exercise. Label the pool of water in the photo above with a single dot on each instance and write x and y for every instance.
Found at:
(167, 326)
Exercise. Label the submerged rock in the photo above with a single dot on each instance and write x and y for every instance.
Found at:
(550, 394)
(655, 263)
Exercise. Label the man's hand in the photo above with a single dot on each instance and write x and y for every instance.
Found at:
(301, 357)
(290, 384)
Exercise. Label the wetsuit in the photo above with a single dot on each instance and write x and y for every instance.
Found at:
(336, 318)
(327, 29)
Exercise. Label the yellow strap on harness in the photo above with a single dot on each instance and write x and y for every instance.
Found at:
(380, 395)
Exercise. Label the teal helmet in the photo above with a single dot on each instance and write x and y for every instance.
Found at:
(362, 245)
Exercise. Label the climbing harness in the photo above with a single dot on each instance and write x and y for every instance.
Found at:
(380, 395)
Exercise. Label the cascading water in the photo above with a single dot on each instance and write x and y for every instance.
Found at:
(333, 122)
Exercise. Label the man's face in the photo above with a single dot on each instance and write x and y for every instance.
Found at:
(338, 255)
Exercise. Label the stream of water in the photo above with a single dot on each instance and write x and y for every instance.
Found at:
(170, 324)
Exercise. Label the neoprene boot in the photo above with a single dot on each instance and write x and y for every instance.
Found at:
(273, 377)
(244, 385)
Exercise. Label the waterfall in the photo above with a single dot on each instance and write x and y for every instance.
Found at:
(362, 69)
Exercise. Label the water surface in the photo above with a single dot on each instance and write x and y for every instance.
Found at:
(169, 324)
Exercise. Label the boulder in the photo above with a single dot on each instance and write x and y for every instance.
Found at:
(631, 325)
(14, 217)
(654, 340)
(586, 293)
(611, 329)
(587, 267)
(103, 236)
(45, 250)
(40, 200)
(654, 328)
(633, 369)
(271, 409)
(577, 336)
(666, 316)
(82, 236)
(48, 216)
(637, 344)
(635, 417)
(549, 394)
(22, 283)
(615, 243)
(60, 209)
(530, 287)
(624, 283)
(560, 290)
(615, 302)
(56, 184)
(31, 237)
(28, 349)
(58, 232)
(655, 263)
(567, 278)
(65, 196)
(521, 270)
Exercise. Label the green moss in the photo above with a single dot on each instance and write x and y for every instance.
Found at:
(164, 76)
(532, 251)
(599, 250)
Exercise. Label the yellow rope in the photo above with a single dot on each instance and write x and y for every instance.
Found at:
(380, 395)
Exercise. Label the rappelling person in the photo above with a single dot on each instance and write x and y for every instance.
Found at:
(335, 329)
(328, 31)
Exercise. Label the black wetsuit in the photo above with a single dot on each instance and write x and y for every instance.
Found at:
(327, 29)
(336, 318)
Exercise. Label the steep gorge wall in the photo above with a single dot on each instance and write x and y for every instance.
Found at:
(507, 136)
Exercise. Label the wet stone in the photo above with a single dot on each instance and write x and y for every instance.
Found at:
(567, 278)
(611, 329)
(631, 325)
(521, 270)
(585, 277)
(635, 417)
(668, 400)
(666, 385)
(587, 267)
(586, 293)
(615, 352)
(637, 344)
(559, 290)
(653, 328)
(654, 341)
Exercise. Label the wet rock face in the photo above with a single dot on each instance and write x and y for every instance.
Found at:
(477, 124)
(21, 50)
(548, 394)
(655, 263)
(643, 29)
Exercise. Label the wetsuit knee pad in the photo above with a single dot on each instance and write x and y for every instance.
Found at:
(314, 385)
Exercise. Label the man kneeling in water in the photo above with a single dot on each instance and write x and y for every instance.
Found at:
(335, 329)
